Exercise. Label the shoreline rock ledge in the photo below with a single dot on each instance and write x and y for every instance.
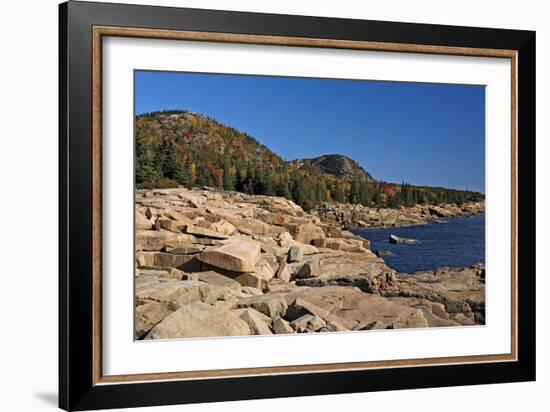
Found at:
(363, 217)
(217, 263)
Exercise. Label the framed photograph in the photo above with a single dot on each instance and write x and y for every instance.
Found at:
(257, 206)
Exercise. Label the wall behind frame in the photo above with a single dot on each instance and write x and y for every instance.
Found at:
(28, 175)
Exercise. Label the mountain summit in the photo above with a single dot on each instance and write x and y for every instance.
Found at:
(336, 165)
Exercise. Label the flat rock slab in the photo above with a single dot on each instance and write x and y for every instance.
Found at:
(201, 231)
(436, 321)
(253, 226)
(272, 305)
(301, 307)
(200, 320)
(455, 280)
(169, 224)
(148, 315)
(156, 240)
(174, 293)
(366, 310)
(349, 308)
(146, 280)
(258, 322)
(303, 248)
(460, 290)
(253, 280)
(180, 217)
(224, 227)
(161, 273)
(236, 256)
(168, 260)
(184, 249)
(214, 278)
(325, 302)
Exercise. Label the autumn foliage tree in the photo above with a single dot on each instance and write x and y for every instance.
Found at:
(182, 148)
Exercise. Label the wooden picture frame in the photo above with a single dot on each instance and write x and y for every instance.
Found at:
(82, 385)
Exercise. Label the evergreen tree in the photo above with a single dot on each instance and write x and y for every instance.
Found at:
(355, 192)
(172, 167)
(282, 188)
(395, 200)
(146, 166)
(229, 180)
(263, 182)
(239, 180)
(204, 177)
(248, 183)
(337, 192)
(321, 191)
(195, 150)
(269, 186)
(301, 191)
(365, 197)
(377, 196)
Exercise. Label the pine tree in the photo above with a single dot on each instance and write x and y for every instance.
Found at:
(395, 200)
(228, 179)
(248, 182)
(172, 166)
(281, 188)
(204, 177)
(337, 192)
(239, 180)
(195, 150)
(146, 167)
(377, 196)
(321, 191)
(263, 183)
(355, 192)
(301, 191)
(365, 197)
(269, 188)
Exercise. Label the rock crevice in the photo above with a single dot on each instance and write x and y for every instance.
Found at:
(216, 263)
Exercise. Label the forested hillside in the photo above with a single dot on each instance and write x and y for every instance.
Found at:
(184, 148)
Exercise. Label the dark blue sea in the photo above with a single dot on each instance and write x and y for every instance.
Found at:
(458, 242)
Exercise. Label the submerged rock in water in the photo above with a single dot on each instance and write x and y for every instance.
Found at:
(400, 240)
(381, 253)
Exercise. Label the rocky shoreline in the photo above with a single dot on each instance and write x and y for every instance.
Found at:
(362, 217)
(215, 263)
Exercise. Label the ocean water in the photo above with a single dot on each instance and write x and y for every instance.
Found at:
(458, 242)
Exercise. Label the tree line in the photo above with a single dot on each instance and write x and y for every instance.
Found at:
(168, 164)
(182, 148)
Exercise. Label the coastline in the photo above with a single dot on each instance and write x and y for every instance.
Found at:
(359, 217)
(216, 263)
(458, 242)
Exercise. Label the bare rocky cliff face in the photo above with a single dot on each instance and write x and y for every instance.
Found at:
(215, 263)
(336, 165)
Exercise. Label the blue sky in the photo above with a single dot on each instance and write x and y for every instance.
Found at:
(424, 134)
